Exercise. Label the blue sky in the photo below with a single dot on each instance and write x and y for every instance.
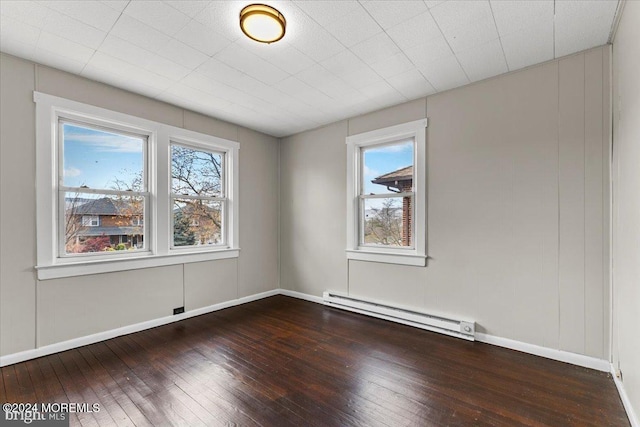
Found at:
(96, 158)
(382, 160)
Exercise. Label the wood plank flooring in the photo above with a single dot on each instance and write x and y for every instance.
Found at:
(285, 362)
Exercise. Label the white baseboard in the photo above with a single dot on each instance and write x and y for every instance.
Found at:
(626, 402)
(549, 353)
(563, 356)
(10, 359)
(300, 295)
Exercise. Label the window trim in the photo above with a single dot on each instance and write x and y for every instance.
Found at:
(417, 254)
(157, 229)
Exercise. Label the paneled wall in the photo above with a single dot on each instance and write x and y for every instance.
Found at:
(17, 209)
(517, 207)
(36, 313)
(626, 202)
(313, 230)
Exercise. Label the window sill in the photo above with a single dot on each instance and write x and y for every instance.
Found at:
(86, 267)
(388, 257)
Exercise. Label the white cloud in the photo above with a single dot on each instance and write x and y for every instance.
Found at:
(394, 148)
(370, 173)
(72, 172)
(106, 142)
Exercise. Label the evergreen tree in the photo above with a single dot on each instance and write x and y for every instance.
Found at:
(182, 233)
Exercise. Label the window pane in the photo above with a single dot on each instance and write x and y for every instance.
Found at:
(101, 159)
(387, 221)
(387, 168)
(102, 223)
(197, 222)
(90, 221)
(196, 172)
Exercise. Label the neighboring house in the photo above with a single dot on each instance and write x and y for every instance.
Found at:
(399, 181)
(121, 221)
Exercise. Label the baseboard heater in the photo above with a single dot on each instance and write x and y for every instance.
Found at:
(455, 328)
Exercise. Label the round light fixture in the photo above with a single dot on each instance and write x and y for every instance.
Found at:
(262, 23)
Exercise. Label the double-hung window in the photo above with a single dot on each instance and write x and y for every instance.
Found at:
(198, 196)
(89, 221)
(386, 195)
(118, 192)
(102, 178)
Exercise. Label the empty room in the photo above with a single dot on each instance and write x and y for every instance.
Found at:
(320, 213)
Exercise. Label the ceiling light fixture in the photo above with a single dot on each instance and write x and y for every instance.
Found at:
(262, 23)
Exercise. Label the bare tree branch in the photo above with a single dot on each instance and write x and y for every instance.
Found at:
(385, 226)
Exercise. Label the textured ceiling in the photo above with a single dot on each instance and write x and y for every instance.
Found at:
(338, 58)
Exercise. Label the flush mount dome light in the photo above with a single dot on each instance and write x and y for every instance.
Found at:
(262, 23)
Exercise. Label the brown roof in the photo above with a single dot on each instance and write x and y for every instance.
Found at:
(403, 174)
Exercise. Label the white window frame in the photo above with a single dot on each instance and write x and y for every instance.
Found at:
(158, 230)
(89, 220)
(416, 254)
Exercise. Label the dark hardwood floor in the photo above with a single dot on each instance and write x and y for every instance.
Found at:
(285, 362)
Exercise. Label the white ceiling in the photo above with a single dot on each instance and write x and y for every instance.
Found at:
(338, 58)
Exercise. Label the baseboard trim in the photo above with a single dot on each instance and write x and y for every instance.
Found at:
(563, 356)
(10, 359)
(549, 353)
(626, 401)
(301, 295)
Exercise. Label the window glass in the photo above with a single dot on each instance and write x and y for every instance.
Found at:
(197, 194)
(387, 168)
(196, 172)
(102, 195)
(97, 158)
(197, 222)
(386, 221)
(90, 221)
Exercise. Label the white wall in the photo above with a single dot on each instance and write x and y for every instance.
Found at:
(626, 191)
(36, 313)
(517, 206)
